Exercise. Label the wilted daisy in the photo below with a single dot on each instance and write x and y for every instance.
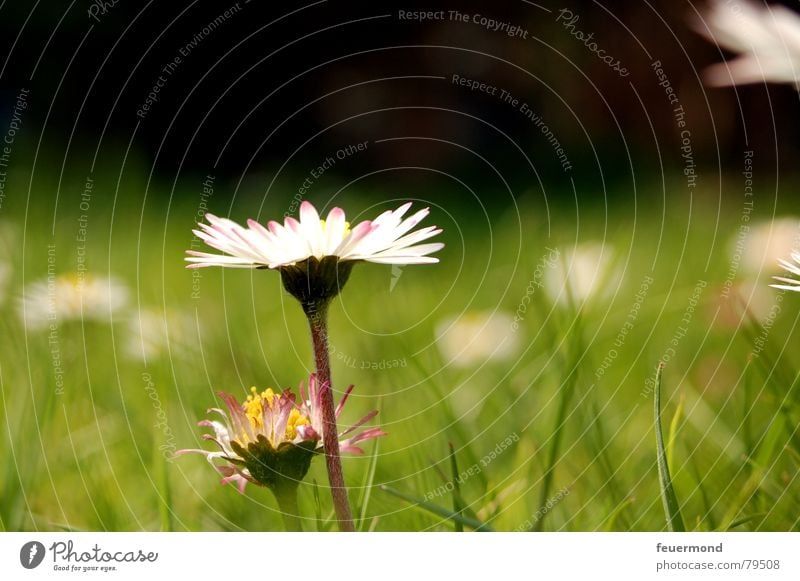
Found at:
(766, 39)
(792, 267)
(70, 297)
(585, 272)
(476, 337)
(270, 438)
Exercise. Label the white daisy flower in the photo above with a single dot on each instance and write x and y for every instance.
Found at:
(585, 273)
(476, 337)
(766, 38)
(764, 244)
(793, 267)
(69, 297)
(385, 240)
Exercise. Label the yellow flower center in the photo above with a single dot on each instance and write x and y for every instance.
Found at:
(346, 228)
(254, 410)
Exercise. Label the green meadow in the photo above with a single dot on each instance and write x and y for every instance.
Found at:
(550, 414)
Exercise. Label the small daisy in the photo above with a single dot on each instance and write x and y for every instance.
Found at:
(789, 284)
(70, 297)
(587, 272)
(762, 246)
(766, 39)
(473, 338)
(270, 438)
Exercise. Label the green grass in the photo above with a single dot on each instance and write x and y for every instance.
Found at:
(91, 458)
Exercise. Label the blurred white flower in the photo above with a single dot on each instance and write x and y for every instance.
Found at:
(70, 297)
(583, 273)
(793, 267)
(473, 338)
(766, 39)
(756, 297)
(154, 333)
(766, 244)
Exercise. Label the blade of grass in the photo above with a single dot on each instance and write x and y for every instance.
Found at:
(745, 520)
(566, 394)
(598, 445)
(165, 492)
(317, 506)
(555, 443)
(673, 429)
(708, 508)
(366, 487)
(465, 509)
(438, 510)
(457, 506)
(780, 377)
(611, 519)
(770, 443)
(672, 509)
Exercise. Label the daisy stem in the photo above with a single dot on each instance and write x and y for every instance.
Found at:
(287, 501)
(317, 314)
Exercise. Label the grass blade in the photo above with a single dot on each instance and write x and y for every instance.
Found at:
(555, 444)
(672, 508)
(366, 489)
(438, 510)
(673, 430)
(611, 520)
(457, 506)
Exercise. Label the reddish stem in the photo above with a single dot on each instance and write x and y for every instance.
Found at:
(318, 321)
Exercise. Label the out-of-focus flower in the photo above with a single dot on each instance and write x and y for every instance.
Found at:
(70, 297)
(270, 439)
(155, 333)
(765, 38)
(765, 244)
(793, 268)
(315, 256)
(473, 338)
(584, 273)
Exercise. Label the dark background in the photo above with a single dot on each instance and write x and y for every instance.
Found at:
(287, 84)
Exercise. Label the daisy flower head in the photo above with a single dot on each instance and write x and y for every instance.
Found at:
(270, 438)
(765, 38)
(793, 267)
(315, 256)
